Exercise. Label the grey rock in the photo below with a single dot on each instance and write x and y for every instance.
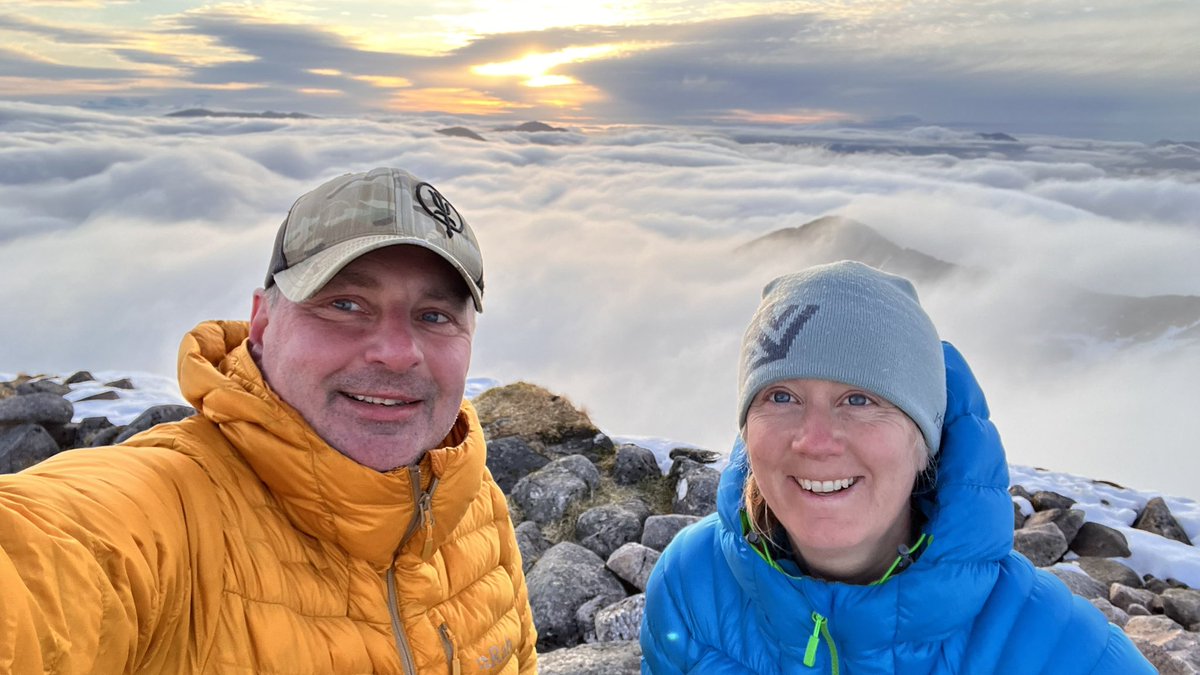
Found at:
(634, 464)
(1156, 518)
(101, 396)
(1042, 544)
(1109, 572)
(603, 529)
(1115, 615)
(23, 446)
(1102, 541)
(1137, 609)
(695, 454)
(593, 446)
(548, 493)
(1020, 491)
(78, 377)
(696, 491)
(35, 409)
(63, 434)
(633, 563)
(585, 617)
(123, 383)
(511, 459)
(565, 578)
(531, 543)
(42, 387)
(1182, 605)
(1079, 582)
(107, 436)
(621, 620)
(1123, 596)
(153, 416)
(87, 429)
(1164, 643)
(1045, 499)
(598, 658)
(1067, 520)
(658, 531)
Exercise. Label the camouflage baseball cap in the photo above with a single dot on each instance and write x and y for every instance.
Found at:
(344, 218)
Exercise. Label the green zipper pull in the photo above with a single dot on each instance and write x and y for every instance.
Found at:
(810, 652)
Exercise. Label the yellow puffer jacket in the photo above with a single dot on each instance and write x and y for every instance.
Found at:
(237, 541)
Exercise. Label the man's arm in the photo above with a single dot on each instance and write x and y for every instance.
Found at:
(97, 561)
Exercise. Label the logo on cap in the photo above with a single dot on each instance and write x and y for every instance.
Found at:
(440, 209)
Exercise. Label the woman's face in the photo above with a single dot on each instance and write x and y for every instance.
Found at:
(836, 464)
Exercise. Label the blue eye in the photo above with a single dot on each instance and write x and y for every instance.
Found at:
(434, 317)
(858, 400)
(345, 305)
(780, 397)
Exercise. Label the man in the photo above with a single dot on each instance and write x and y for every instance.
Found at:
(328, 510)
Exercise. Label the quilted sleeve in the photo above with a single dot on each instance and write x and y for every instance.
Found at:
(94, 562)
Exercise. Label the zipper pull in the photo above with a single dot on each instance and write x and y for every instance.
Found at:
(426, 506)
(814, 640)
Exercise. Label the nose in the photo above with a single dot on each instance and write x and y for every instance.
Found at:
(394, 344)
(820, 433)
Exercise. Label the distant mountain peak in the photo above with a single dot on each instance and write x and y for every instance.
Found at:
(530, 126)
(269, 114)
(460, 132)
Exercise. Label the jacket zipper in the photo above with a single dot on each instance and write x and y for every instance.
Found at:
(820, 630)
(448, 645)
(423, 516)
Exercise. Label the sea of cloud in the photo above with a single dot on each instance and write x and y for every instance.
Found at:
(610, 274)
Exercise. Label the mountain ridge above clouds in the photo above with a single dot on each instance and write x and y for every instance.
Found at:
(1070, 317)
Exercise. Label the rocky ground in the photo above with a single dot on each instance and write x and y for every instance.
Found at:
(593, 518)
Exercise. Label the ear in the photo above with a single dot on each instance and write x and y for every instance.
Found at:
(259, 317)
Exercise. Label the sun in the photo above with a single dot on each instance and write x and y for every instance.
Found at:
(534, 68)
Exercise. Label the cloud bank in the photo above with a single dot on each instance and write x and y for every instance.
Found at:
(609, 257)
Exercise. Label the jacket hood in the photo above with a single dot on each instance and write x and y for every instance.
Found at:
(324, 493)
(968, 516)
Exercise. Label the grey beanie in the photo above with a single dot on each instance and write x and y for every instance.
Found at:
(851, 323)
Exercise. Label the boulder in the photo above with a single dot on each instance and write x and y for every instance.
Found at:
(1109, 572)
(546, 421)
(1020, 491)
(565, 578)
(106, 436)
(1042, 544)
(1079, 582)
(35, 409)
(152, 416)
(603, 529)
(1067, 520)
(531, 543)
(695, 454)
(548, 493)
(633, 563)
(1102, 541)
(696, 490)
(1168, 647)
(1114, 614)
(108, 395)
(78, 377)
(1182, 605)
(63, 434)
(597, 658)
(658, 531)
(123, 383)
(1156, 518)
(621, 620)
(511, 459)
(1044, 500)
(1123, 596)
(42, 387)
(23, 446)
(634, 464)
(87, 429)
(1018, 517)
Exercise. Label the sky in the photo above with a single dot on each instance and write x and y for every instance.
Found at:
(611, 261)
(1107, 69)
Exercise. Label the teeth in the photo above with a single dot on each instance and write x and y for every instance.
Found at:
(825, 486)
(376, 401)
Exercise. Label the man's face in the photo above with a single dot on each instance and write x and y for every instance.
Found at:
(376, 361)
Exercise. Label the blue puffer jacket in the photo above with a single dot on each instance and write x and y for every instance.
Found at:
(969, 604)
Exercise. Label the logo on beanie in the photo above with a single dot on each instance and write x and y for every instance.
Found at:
(786, 325)
(440, 209)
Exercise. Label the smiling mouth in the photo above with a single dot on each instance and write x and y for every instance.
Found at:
(375, 400)
(825, 486)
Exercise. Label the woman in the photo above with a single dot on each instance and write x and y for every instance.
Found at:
(854, 533)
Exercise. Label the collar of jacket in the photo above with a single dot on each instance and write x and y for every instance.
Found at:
(323, 493)
(968, 515)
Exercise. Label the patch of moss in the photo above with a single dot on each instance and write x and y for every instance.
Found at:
(531, 412)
